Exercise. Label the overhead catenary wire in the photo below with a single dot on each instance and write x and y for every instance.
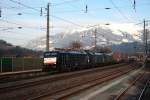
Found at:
(86, 8)
(133, 3)
(14, 7)
(142, 22)
(65, 2)
(19, 25)
(19, 3)
(20, 39)
(39, 10)
(14, 23)
(24, 26)
(63, 18)
(67, 21)
(56, 16)
(134, 10)
(12, 32)
(121, 13)
(42, 10)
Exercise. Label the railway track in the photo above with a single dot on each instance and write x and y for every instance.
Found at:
(14, 83)
(140, 83)
(65, 93)
(144, 90)
(21, 75)
(42, 80)
(58, 83)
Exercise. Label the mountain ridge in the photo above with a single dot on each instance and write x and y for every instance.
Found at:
(104, 35)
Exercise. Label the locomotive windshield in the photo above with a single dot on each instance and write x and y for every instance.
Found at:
(50, 58)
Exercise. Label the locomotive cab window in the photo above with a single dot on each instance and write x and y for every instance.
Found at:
(50, 54)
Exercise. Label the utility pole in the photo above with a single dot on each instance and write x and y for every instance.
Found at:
(144, 38)
(95, 36)
(47, 33)
(146, 35)
(145, 43)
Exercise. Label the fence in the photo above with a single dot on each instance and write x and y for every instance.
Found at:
(20, 64)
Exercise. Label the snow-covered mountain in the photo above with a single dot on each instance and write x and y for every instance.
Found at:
(105, 36)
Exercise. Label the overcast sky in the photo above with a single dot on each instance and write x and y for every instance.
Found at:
(67, 15)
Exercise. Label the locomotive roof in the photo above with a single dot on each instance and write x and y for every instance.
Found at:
(109, 54)
(93, 53)
(79, 52)
(70, 52)
(98, 53)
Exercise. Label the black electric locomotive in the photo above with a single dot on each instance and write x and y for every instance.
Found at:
(65, 61)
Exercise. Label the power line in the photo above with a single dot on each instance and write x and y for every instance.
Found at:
(117, 8)
(19, 3)
(133, 4)
(67, 21)
(65, 2)
(11, 32)
(42, 28)
(8, 28)
(20, 25)
(130, 1)
(59, 3)
(134, 10)
(85, 9)
(22, 12)
(41, 11)
(85, 5)
(20, 39)
(14, 7)
(10, 22)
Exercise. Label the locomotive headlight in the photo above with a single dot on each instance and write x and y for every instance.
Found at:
(50, 60)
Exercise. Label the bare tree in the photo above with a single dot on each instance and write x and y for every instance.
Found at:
(106, 50)
(102, 49)
(75, 45)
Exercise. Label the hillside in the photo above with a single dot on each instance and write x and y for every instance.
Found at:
(9, 50)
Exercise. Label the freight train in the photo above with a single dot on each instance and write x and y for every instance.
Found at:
(75, 60)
